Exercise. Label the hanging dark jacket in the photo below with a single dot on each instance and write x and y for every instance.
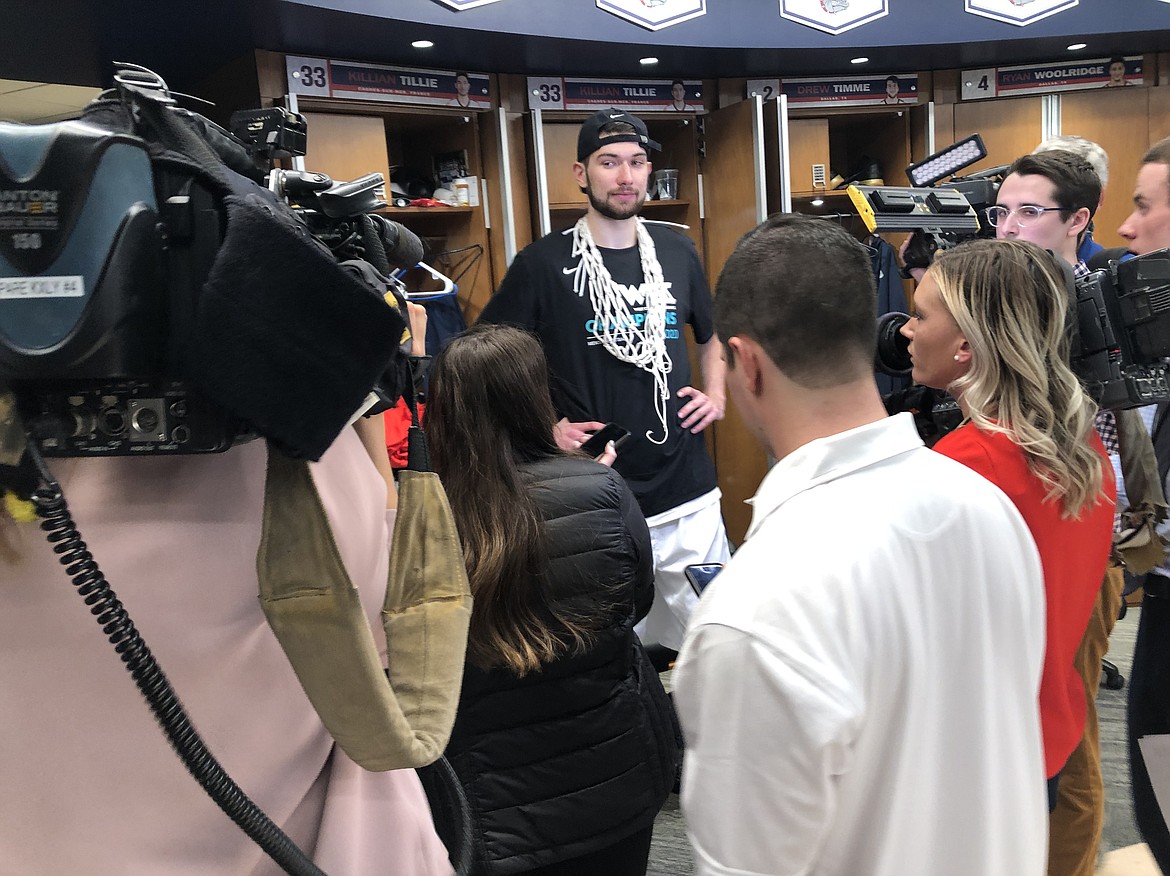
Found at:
(581, 754)
(891, 299)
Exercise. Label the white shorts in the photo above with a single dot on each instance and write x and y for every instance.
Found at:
(696, 535)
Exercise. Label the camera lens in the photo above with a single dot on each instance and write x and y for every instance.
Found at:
(892, 355)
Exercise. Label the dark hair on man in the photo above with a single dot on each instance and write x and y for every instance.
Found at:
(464, 75)
(1075, 182)
(894, 79)
(675, 82)
(610, 128)
(1116, 59)
(804, 290)
(1159, 153)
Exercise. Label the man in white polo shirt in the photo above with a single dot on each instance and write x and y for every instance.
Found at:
(858, 688)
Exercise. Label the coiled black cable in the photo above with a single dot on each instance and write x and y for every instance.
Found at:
(111, 615)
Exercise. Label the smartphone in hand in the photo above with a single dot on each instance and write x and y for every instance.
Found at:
(594, 446)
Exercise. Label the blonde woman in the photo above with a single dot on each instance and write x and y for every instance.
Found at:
(989, 326)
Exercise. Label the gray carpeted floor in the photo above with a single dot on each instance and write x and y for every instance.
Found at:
(670, 853)
(1120, 830)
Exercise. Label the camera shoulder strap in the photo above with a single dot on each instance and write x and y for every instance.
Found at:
(314, 610)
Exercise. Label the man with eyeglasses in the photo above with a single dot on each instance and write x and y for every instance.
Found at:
(1047, 198)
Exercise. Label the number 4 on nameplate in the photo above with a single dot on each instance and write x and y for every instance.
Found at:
(979, 84)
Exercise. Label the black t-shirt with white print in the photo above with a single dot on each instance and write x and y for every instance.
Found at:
(589, 383)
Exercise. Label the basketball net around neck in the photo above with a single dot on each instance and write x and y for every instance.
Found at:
(615, 327)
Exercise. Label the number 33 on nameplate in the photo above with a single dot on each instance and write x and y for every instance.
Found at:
(546, 92)
(307, 75)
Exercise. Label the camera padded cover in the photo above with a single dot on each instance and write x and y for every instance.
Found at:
(283, 337)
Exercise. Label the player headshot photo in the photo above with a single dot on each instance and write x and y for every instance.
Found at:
(678, 94)
(462, 91)
(1116, 70)
(893, 87)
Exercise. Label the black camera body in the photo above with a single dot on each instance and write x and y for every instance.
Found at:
(86, 306)
(1123, 337)
(157, 297)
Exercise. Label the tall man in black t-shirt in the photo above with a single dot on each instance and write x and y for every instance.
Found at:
(608, 299)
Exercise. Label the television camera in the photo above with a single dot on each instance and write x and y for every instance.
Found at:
(164, 288)
(957, 205)
(1123, 317)
(340, 214)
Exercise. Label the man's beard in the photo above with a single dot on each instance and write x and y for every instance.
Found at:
(609, 211)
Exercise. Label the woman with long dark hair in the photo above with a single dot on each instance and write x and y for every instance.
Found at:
(990, 327)
(564, 740)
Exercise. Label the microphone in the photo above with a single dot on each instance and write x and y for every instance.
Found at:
(403, 247)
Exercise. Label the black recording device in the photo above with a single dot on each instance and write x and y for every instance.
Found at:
(594, 445)
(164, 288)
(979, 190)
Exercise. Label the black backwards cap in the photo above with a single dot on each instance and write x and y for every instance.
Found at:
(590, 138)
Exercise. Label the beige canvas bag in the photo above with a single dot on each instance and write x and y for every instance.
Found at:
(383, 721)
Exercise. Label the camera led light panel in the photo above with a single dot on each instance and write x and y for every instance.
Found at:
(947, 161)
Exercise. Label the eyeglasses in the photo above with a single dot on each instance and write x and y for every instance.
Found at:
(1025, 215)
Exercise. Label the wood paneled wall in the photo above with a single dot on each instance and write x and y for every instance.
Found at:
(1118, 119)
(1010, 127)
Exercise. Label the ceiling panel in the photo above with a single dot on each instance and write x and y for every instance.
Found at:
(38, 102)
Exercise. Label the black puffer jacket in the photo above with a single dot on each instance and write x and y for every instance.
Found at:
(580, 755)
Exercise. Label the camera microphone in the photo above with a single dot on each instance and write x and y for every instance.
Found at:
(404, 248)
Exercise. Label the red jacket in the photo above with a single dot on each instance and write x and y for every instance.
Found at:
(397, 420)
(1073, 554)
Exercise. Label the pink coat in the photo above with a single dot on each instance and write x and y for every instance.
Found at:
(90, 784)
